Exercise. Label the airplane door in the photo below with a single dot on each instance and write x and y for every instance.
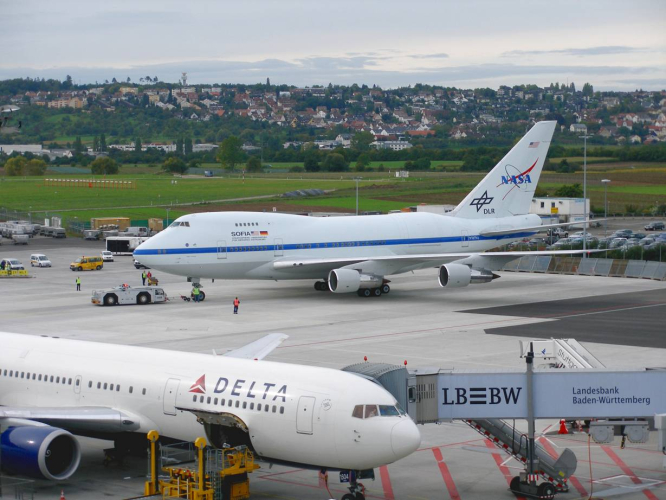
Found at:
(305, 414)
(222, 249)
(279, 247)
(170, 393)
(464, 237)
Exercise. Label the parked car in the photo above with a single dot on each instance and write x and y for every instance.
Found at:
(537, 242)
(107, 256)
(39, 260)
(655, 226)
(560, 232)
(638, 236)
(646, 241)
(617, 242)
(12, 264)
(139, 265)
(622, 233)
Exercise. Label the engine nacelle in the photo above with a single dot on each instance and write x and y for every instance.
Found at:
(350, 280)
(41, 452)
(460, 275)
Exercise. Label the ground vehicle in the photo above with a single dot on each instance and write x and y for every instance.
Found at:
(11, 264)
(655, 226)
(107, 256)
(92, 234)
(139, 265)
(59, 232)
(560, 232)
(39, 260)
(127, 295)
(617, 242)
(87, 264)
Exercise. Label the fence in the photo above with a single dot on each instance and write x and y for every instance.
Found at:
(589, 267)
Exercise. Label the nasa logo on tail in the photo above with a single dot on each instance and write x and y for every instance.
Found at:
(515, 178)
(199, 387)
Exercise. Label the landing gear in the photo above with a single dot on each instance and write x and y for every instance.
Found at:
(372, 292)
(322, 286)
(356, 492)
(364, 292)
(385, 288)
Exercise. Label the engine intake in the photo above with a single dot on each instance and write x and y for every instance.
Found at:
(350, 280)
(41, 452)
(460, 275)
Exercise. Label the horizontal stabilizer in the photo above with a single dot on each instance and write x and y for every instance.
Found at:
(258, 349)
(538, 229)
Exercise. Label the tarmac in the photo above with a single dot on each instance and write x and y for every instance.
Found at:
(618, 319)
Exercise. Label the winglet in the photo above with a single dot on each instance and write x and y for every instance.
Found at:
(258, 349)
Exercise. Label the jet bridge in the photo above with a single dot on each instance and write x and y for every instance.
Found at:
(483, 398)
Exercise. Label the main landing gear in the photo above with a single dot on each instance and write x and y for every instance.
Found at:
(374, 292)
(322, 286)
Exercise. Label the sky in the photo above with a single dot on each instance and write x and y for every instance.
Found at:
(615, 45)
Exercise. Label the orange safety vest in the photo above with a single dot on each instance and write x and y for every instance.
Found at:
(236, 302)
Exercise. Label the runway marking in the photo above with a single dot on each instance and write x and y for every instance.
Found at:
(503, 468)
(603, 310)
(386, 482)
(446, 474)
(625, 468)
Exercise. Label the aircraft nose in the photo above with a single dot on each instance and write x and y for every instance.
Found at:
(405, 438)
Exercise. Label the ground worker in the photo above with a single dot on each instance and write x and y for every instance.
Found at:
(195, 293)
(143, 278)
(236, 304)
(78, 284)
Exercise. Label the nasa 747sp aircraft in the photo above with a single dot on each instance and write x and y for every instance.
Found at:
(355, 254)
(295, 414)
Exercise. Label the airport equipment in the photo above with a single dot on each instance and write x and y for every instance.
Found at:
(91, 234)
(20, 239)
(120, 295)
(561, 353)
(123, 245)
(122, 223)
(204, 474)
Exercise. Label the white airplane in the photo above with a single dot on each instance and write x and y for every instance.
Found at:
(295, 414)
(6, 114)
(355, 254)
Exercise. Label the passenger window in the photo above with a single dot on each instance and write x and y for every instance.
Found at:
(237, 404)
(274, 408)
(51, 380)
(22, 374)
(144, 391)
(99, 385)
(231, 403)
(105, 385)
(64, 381)
(131, 389)
(208, 400)
(251, 406)
(69, 381)
(57, 379)
(244, 405)
(358, 411)
(77, 382)
(194, 398)
(215, 401)
(200, 399)
(111, 387)
(259, 407)
(89, 383)
(266, 408)
(371, 411)
(221, 402)
(281, 410)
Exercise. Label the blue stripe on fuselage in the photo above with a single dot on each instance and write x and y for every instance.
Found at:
(334, 244)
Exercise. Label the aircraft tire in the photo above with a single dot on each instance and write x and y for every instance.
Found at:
(376, 292)
(348, 496)
(546, 490)
(385, 288)
(317, 286)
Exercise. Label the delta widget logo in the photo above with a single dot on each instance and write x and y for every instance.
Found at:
(199, 387)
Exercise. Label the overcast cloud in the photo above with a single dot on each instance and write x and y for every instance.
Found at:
(609, 43)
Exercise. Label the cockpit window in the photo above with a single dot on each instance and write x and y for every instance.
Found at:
(180, 224)
(388, 411)
(371, 411)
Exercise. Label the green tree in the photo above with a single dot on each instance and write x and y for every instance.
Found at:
(15, 167)
(179, 146)
(230, 153)
(104, 166)
(95, 144)
(137, 145)
(566, 191)
(78, 146)
(362, 162)
(311, 163)
(174, 165)
(102, 143)
(253, 164)
(36, 166)
(362, 141)
(187, 145)
(335, 162)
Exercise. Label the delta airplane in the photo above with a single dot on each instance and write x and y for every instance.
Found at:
(355, 254)
(51, 388)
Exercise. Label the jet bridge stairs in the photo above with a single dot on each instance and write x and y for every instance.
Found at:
(417, 391)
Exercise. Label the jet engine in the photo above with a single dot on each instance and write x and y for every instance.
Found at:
(350, 280)
(40, 451)
(460, 275)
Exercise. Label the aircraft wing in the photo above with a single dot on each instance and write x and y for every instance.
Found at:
(391, 264)
(75, 419)
(537, 229)
(258, 349)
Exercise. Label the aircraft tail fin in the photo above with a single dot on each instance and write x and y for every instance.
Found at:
(508, 188)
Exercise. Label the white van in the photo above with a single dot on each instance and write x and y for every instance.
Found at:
(39, 260)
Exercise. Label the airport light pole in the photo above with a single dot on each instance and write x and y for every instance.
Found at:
(167, 216)
(605, 183)
(585, 211)
(357, 179)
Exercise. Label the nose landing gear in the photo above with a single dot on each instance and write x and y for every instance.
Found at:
(356, 492)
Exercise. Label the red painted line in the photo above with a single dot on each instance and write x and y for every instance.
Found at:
(477, 440)
(386, 482)
(573, 479)
(625, 468)
(446, 474)
(503, 468)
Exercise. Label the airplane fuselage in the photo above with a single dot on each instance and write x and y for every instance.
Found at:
(245, 245)
(293, 413)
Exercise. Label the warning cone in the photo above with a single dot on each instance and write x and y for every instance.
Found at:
(563, 427)
(62, 495)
